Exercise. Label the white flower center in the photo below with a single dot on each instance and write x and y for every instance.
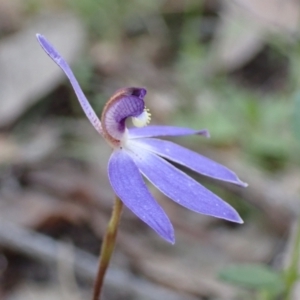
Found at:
(143, 119)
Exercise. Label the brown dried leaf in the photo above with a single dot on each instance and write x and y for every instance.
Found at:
(31, 209)
(273, 15)
(26, 72)
(10, 16)
(245, 26)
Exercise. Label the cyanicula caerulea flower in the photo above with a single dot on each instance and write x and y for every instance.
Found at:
(137, 153)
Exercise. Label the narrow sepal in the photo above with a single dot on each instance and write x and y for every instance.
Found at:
(129, 186)
(59, 60)
(154, 131)
(181, 188)
(189, 159)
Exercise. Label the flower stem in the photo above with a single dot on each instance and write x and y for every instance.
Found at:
(107, 248)
(291, 274)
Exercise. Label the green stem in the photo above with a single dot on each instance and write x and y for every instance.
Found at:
(291, 274)
(107, 248)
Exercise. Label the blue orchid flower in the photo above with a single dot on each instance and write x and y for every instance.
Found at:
(137, 153)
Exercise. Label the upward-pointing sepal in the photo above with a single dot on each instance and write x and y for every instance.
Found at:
(59, 60)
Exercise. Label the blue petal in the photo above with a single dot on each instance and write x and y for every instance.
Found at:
(151, 131)
(180, 187)
(58, 59)
(190, 159)
(129, 186)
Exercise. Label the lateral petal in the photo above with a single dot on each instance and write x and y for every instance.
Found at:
(189, 159)
(153, 131)
(181, 188)
(59, 60)
(129, 186)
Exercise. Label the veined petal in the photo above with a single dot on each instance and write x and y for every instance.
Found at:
(58, 59)
(126, 102)
(180, 187)
(153, 131)
(130, 187)
(189, 159)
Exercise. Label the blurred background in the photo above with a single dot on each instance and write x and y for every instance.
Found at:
(232, 67)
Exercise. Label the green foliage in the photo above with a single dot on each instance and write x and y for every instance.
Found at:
(238, 117)
(108, 19)
(296, 116)
(254, 277)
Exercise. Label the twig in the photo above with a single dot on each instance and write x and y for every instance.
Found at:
(46, 249)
